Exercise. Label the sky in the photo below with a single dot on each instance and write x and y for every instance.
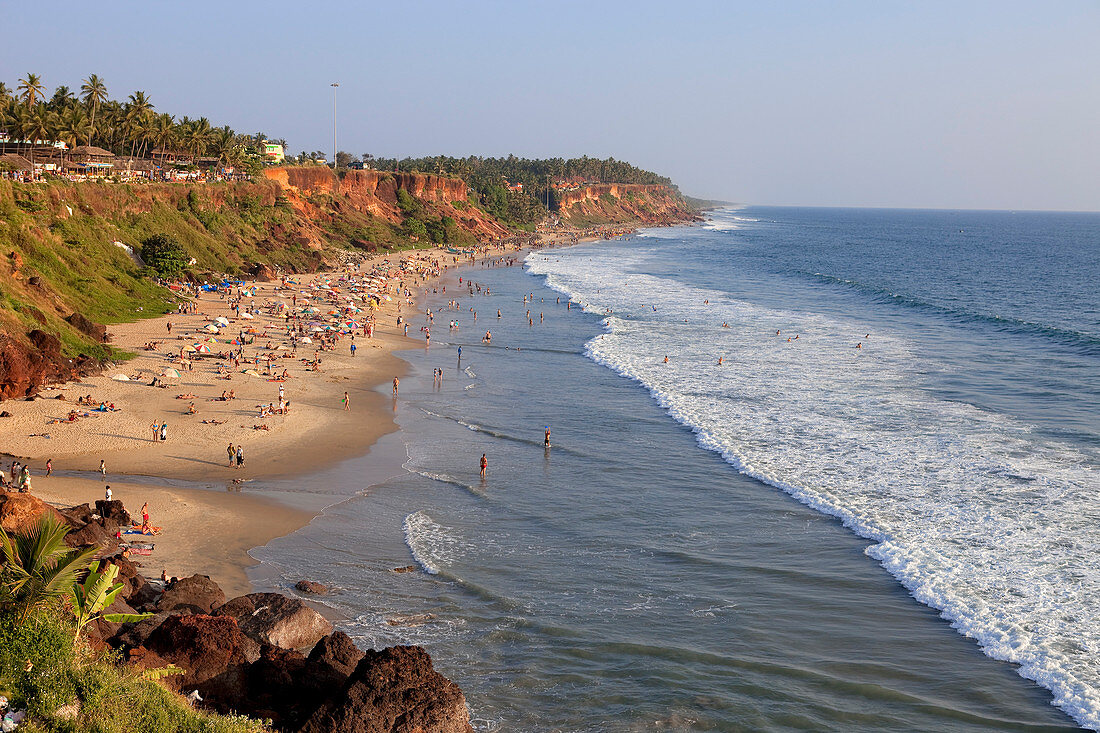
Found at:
(987, 105)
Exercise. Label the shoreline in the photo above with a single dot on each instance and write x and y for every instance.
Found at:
(241, 518)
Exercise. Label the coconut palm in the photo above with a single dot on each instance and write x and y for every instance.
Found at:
(94, 93)
(32, 89)
(74, 126)
(38, 566)
(62, 99)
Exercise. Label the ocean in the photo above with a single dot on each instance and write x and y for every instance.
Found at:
(880, 511)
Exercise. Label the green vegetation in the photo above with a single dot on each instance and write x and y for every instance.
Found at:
(46, 669)
(533, 181)
(164, 255)
(127, 127)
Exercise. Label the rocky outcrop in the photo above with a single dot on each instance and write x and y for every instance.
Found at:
(212, 650)
(624, 203)
(90, 328)
(395, 690)
(196, 594)
(272, 618)
(114, 511)
(19, 512)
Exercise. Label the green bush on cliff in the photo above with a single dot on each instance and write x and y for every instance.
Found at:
(164, 255)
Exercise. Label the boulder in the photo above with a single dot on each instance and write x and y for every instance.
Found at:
(212, 650)
(337, 652)
(311, 587)
(395, 690)
(271, 618)
(18, 512)
(77, 516)
(91, 533)
(90, 328)
(100, 630)
(197, 594)
(113, 510)
(138, 591)
(131, 636)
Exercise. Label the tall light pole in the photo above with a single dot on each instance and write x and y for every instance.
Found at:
(334, 86)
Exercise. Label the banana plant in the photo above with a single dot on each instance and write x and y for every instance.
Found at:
(96, 593)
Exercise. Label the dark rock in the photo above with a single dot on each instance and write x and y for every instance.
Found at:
(77, 516)
(100, 630)
(113, 510)
(309, 586)
(135, 635)
(337, 652)
(47, 343)
(91, 533)
(395, 690)
(87, 327)
(212, 650)
(138, 591)
(197, 594)
(271, 618)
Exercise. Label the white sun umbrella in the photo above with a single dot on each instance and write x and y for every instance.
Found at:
(120, 378)
(252, 373)
(170, 372)
(247, 316)
(222, 320)
(317, 329)
(210, 328)
(306, 340)
(189, 348)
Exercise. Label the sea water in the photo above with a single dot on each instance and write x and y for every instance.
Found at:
(879, 512)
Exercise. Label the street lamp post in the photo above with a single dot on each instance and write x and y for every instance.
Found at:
(334, 86)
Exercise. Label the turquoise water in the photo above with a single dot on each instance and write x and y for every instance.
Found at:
(809, 537)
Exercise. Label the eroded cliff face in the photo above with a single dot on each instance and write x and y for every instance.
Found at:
(375, 193)
(624, 203)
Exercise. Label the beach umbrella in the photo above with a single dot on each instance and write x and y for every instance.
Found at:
(247, 316)
(317, 329)
(210, 328)
(203, 349)
(222, 321)
(252, 373)
(170, 372)
(120, 378)
(306, 340)
(188, 348)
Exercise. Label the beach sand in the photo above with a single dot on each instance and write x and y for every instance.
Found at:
(206, 531)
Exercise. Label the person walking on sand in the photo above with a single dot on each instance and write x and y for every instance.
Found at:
(232, 454)
(103, 468)
(240, 455)
(49, 467)
(346, 401)
(395, 384)
(484, 464)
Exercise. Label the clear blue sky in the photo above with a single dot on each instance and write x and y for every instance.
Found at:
(876, 103)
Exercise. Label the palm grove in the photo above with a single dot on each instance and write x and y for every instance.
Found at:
(132, 127)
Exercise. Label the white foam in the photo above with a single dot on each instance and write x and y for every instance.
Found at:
(973, 513)
(431, 545)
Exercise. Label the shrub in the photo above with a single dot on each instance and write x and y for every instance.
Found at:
(164, 255)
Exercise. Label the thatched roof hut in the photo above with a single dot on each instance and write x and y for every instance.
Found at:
(91, 151)
(14, 162)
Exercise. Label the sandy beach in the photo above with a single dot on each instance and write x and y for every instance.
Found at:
(109, 417)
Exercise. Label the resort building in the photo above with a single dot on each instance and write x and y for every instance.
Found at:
(273, 152)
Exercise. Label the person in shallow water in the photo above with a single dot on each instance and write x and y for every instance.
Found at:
(484, 465)
(546, 437)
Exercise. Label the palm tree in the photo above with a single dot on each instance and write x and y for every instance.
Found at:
(94, 93)
(138, 111)
(62, 98)
(32, 89)
(164, 131)
(222, 142)
(74, 126)
(38, 566)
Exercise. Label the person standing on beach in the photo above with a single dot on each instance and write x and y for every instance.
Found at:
(49, 467)
(484, 464)
(240, 455)
(164, 431)
(156, 431)
(353, 348)
(103, 468)
(107, 494)
(395, 383)
(347, 402)
(232, 454)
